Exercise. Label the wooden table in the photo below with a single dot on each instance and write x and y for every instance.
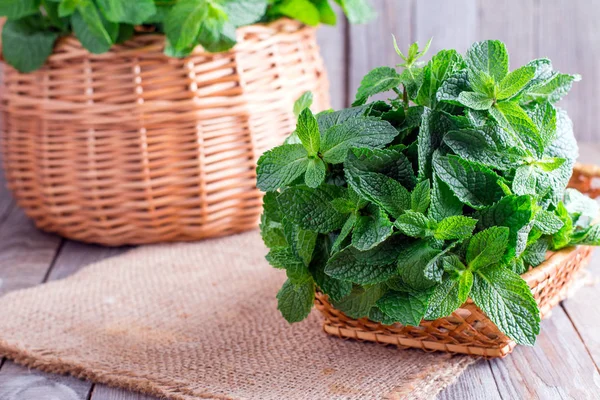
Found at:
(564, 364)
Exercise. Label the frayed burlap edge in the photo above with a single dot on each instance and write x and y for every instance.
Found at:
(155, 386)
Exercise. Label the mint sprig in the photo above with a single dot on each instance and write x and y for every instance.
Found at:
(447, 191)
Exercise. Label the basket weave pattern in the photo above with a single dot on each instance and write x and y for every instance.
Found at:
(133, 147)
(468, 330)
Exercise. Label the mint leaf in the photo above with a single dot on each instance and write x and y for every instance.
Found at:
(304, 101)
(311, 208)
(26, 47)
(431, 134)
(94, 32)
(281, 166)
(334, 288)
(379, 80)
(345, 232)
(474, 184)
(328, 119)
(17, 9)
(513, 118)
(302, 10)
(295, 299)
(407, 308)
(449, 295)
(443, 201)
(553, 90)
(440, 67)
(475, 101)
(357, 11)
(516, 81)
(308, 132)
(548, 222)
(487, 248)
(127, 11)
(420, 198)
(579, 204)
(371, 230)
(415, 224)
(414, 260)
(360, 301)
(358, 132)
(185, 21)
(506, 299)
(390, 162)
(365, 267)
(315, 172)
(545, 119)
(244, 12)
(377, 188)
(285, 258)
(455, 228)
(489, 56)
(453, 87)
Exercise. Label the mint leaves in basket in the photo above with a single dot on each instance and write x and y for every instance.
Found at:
(33, 26)
(401, 210)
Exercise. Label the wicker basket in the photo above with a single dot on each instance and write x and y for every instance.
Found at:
(133, 147)
(468, 330)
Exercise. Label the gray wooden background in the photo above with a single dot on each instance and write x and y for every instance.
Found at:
(566, 31)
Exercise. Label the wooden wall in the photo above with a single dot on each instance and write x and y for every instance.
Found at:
(566, 31)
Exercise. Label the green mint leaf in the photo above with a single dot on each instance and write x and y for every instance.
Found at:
(94, 32)
(440, 67)
(365, 267)
(379, 80)
(552, 90)
(66, 8)
(302, 241)
(507, 300)
(17, 9)
(455, 228)
(217, 32)
(487, 248)
(184, 22)
(327, 14)
(360, 301)
(548, 222)
(431, 134)
(245, 12)
(295, 299)
(389, 162)
(328, 119)
(449, 295)
(513, 118)
(589, 237)
(515, 82)
(315, 172)
(334, 288)
(452, 87)
(286, 258)
(302, 10)
(486, 147)
(357, 11)
(406, 308)
(377, 188)
(127, 11)
(371, 230)
(358, 132)
(307, 130)
(344, 233)
(475, 101)
(489, 56)
(413, 262)
(420, 198)
(549, 164)
(412, 79)
(415, 224)
(579, 204)
(303, 102)
(26, 47)
(281, 166)
(545, 119)
(474, 184)
(535, 254)
(443, 201)
(311, 208)
(562, 238)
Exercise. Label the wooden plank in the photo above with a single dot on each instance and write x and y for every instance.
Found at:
(102, 392)
(332, 41)
(476, 383)
(512, 22)
(569, 35)
(557, 367)
(371, 44)
(451, 24)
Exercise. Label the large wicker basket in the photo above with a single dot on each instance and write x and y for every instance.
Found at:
(468, 330)
(134, 147)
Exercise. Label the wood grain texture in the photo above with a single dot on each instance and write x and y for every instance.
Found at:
(332, 41)
(102, 392)
(476, 383)
(371, 44)
(518, 30)
(569, 35)
(451, 24)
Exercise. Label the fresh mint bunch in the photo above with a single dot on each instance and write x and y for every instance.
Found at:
(33, 26)
(401, 210)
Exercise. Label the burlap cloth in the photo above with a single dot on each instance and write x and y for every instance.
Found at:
(189, 321)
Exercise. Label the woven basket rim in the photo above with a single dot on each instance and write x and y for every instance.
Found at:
(155, 42)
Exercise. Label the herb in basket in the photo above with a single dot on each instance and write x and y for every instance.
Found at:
(400, 210)
(33, 26)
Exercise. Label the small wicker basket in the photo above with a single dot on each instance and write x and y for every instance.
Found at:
(133, 147)
(468, 330)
